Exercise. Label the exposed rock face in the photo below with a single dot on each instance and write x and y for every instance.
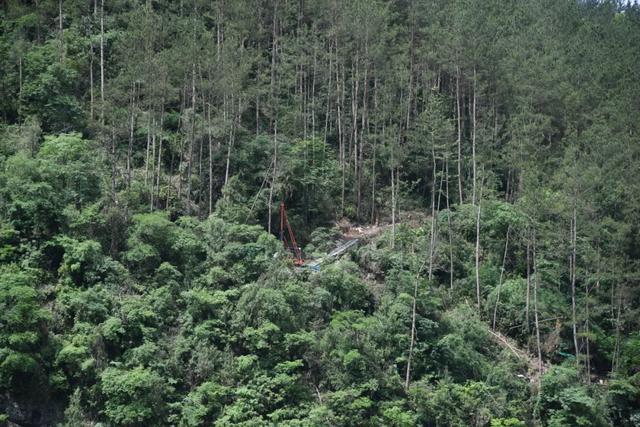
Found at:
(30, 411)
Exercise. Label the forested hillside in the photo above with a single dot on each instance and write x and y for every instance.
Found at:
(486, 152)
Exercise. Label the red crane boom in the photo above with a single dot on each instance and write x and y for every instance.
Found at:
(288, 238)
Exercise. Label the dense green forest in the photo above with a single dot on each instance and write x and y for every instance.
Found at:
(487, 154)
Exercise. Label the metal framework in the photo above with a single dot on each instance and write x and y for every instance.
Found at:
(288, 238)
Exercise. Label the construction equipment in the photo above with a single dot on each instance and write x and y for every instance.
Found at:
(290, 243)
(288, 238)
(342, 247)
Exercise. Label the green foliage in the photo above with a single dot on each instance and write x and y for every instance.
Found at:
(630, 355)
(145, 148)
(8, 243)
(507, 422)
(150, 242)
(74, 414)
(241, 253)
(37, 190)
(623, 396)
(48, 89)
(447, 403)
(204, 405)
(347, 291)
(23, 336)
(562, 402)
(464, 350)
(134, 396)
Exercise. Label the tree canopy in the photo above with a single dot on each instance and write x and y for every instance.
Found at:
(485, 154)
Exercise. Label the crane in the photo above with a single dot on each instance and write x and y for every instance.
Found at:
(288, 238)
(291, 245)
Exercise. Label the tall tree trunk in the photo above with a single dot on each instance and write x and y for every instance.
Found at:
(274, 53)
(229, 147)
(192, 136)
(413, 333)
(201, 192)
(329, 90)
(373, 183)
(20, 82)
(411, 66)
(353, 135)
(459, 119)
(91, 101)
(159, 161)
(535, 303)
(507, 196)
(412, 340)
(219, 30)
(339, 105)
(528, 294)
(363, 124)
(257, 115)
(273, 175)
(375, 143)
(432, 237)
(504, 259)
(616, 352)
(477, 251)
(313, 93)
(228, 161)
(152, 133)
(356, 138)
(393, 197)
(113, 167)
(146, 159)
(114, 200)
(60, 32)
(211, 159)
(169, 180)
(473, 137)
(586, 326)
(102, 62)
(131, 131)
(449, 229)
(38, 34)
(180, 160)
(572, 265)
